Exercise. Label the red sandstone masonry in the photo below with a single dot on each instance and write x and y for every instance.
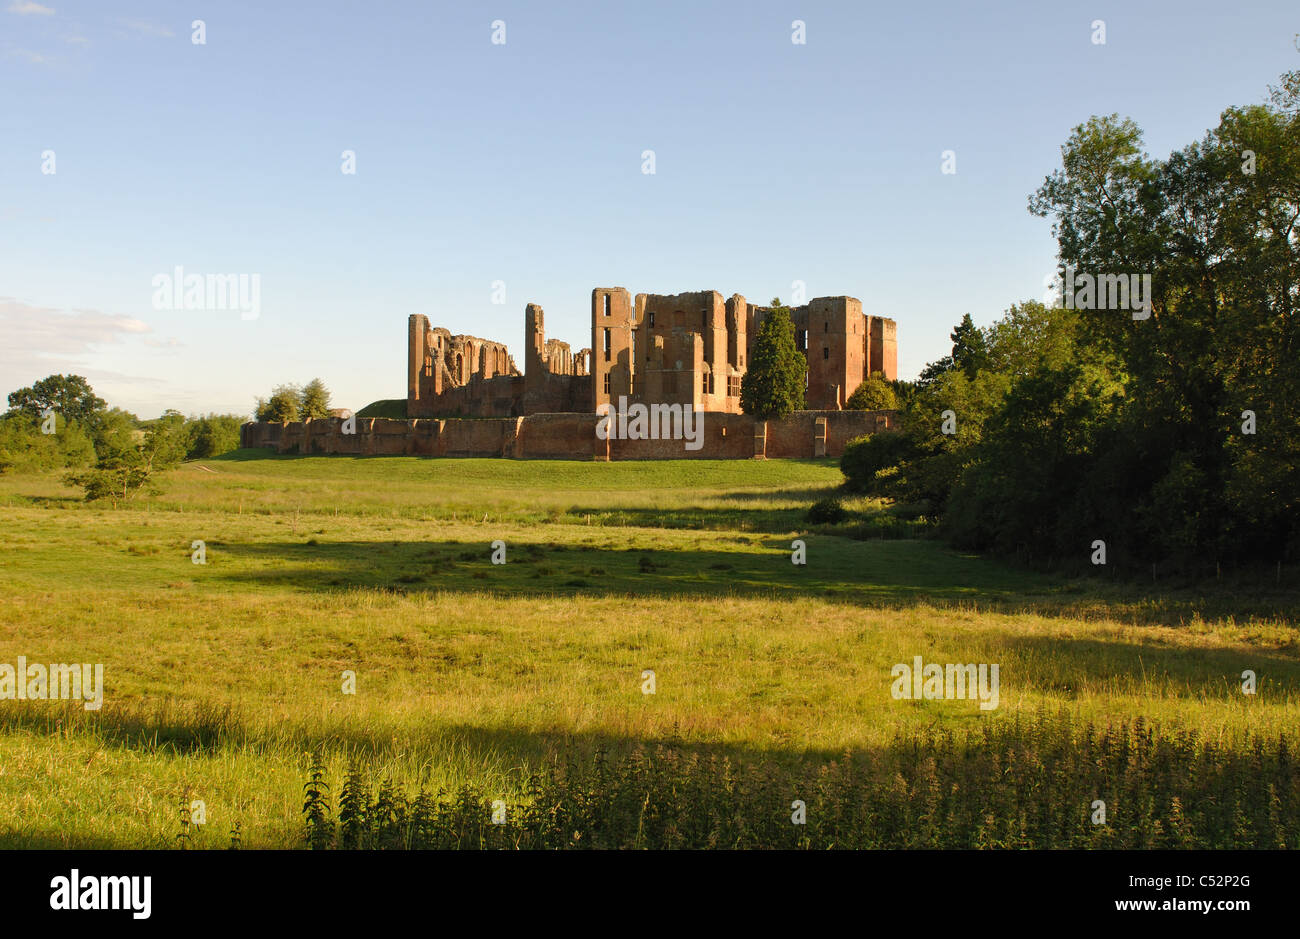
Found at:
(556, 436)
(565, 436)
(495, 437)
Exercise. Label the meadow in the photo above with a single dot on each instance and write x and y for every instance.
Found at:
(224, 681)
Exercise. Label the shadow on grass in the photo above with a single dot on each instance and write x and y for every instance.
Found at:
(860, 573)
(748, 514)
(891, 574)
(1061, 665)
(43, 502)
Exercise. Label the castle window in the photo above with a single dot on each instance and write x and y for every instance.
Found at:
(826, 352)
(607, 345)
(607, 383)
(607, 304)
(652, 317)
(826, 327)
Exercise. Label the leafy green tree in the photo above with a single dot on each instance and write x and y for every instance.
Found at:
(1031, 336)
(773, 385)
(23, 448)
(166, 440)
(69, 395)
(1170, 430)
(874, 394)
(315, 401)
(123, 473)
(1216, 231)
(285, 404)
(1031, 483)
(932, 371)
(212, 435)
(921, 462)
(115, 430)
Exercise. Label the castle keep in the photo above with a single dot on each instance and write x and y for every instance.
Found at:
(688, 348)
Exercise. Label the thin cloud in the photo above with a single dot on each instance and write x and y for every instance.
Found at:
(30, 332)
(147, 28)
(30, 8)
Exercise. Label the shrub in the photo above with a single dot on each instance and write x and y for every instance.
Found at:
(866, 456)
(874, 394)
(826, 511)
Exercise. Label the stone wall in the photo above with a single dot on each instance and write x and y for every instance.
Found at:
(569, 437)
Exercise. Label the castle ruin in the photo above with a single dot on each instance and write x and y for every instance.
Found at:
(687, 348)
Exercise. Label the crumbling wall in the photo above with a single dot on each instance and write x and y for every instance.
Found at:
(557, 437)
(569, 436)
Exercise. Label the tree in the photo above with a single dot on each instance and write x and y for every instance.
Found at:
(121, 474)
(1216, 233)
(773, 385)
(115, 430)
(1032, 336)
(932, 371)
(314, 400)
(969, 350)
(68, 395)
(1031, 485)
(212, 435)
(24, 448)
(1169, 429)
(285, 404)
(874, 394)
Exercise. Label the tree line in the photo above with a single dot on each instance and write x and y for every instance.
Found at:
(1169, 434)
(59, 423)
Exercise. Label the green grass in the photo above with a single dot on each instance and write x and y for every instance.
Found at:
(221, 678)
(385, 407)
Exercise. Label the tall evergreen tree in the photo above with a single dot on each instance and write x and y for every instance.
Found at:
(969, 348)
(315, 401)
(774, 383)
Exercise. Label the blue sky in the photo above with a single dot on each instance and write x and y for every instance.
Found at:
(479, 162)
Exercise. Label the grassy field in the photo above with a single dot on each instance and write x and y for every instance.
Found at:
(222, 678)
